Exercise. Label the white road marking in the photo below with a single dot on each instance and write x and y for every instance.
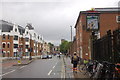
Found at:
(22, 67)
(8, 73)
(53, 67)
(50, 72)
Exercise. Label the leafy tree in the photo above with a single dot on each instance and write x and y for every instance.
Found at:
(64, 46)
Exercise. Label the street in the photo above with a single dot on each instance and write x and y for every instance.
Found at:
(39, 68)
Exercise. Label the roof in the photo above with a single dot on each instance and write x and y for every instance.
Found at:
(29, 26)
(21, 30)
(6, 26)
(99, 10)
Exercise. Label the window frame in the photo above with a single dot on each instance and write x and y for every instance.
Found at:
(4, 37)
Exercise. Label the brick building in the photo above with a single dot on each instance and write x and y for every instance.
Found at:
(98, 20)
(17, 40)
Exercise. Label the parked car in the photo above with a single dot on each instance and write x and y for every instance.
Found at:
(49, 56)
(44, 57)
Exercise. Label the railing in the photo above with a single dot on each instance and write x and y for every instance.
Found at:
(107, 48)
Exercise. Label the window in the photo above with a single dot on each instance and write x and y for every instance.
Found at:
(15, 45)
(26, 39)
(8, 45)
(34, 35)
(15, 30)
(3, 45)
(118, 19)
(15, 37)
(8, 36)
(27, 46)
(38, 37)
(3, 36)
(27, 32)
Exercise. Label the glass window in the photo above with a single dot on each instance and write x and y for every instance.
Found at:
(15, 45)
(118, 18)
(3, 45)
(8, 45)
(3, 36)
(15, 37)
(27, 46)
(8, 36)
(26, 39)
(15, 30)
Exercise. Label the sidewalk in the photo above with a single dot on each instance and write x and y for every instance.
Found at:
(14, 62)
(69, 70)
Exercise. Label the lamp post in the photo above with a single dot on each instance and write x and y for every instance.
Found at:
(30, 58)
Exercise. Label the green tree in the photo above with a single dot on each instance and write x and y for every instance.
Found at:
(51, 46)
(64, 46)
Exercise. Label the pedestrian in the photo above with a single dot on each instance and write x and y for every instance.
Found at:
(74, 61)
(85, 62)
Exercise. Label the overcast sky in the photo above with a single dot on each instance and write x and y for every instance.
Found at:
(50, 18)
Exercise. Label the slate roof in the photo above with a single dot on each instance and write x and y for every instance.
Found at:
(21, 30)
(7, 27)
(29, 26)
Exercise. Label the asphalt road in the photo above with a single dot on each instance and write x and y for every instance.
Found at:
(40, 68)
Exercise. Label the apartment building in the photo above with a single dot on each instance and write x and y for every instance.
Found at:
(19, 41)
(98, 20)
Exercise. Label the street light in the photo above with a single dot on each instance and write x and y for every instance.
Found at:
(30, 58)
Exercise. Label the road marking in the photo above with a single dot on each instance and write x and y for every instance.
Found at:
(53, 67)
(50, 72)
(62, 69)
(22, 67)
(8, 73)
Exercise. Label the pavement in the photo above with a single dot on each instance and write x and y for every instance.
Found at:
(69, 70)
(14, 62)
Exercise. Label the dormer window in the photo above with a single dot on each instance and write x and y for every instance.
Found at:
(15, 30)
(34, 35)
(27, 32)
(38, 37)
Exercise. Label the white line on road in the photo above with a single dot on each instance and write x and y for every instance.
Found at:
(22, 67)
(8, 73)
(53, 67)
(50, 72)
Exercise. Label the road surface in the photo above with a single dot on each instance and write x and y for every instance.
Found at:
(39, 68)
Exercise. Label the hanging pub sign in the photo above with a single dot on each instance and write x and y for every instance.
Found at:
(92, 22)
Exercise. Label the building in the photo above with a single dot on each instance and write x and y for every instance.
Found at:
(98, 20)
(0, 41)
(46, 48)
(19, 41)
(56, 49)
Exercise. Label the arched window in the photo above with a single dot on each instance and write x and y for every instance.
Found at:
(15, 30)
(3, 45)
(8, 45)
(8, 36)
(3, 36)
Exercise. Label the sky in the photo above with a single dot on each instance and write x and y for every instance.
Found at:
(50, 18)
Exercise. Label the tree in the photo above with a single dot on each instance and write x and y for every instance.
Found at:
(51, 46)
(64, 46)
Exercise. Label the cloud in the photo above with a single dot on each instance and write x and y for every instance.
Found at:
(51, 18)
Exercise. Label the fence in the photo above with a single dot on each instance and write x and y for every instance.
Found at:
(107, 48)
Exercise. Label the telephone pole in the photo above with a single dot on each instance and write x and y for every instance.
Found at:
(71, 33)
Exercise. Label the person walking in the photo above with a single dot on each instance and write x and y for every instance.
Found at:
(74, 61)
